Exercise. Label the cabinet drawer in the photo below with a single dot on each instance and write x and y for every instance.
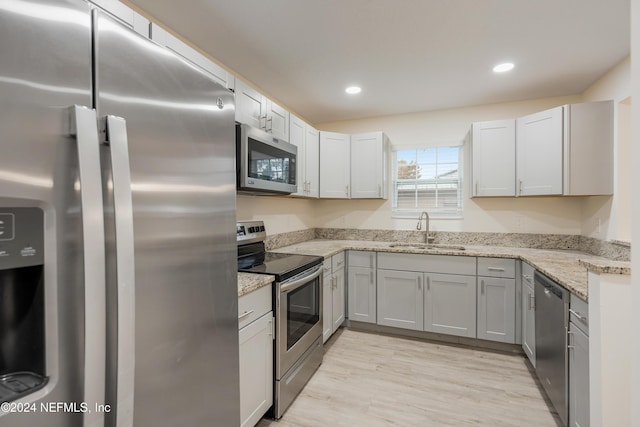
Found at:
(362, 259)
(337, 261)
(445, 264)
(497, 267)
(579, 312)
(254, 305)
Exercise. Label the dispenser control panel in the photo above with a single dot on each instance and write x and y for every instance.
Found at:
(21, 237)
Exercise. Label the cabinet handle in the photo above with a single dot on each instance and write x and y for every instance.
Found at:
(482, 286)
(527, 277)
(532, 302)
(371, 260)
(263, 117)
(569, 340)
(245, 314)
(419, 282)
(273, 336)
(520, 187)
(495, 269)
(428, 283)
(346, 191)
(577, 314)
(371, 277)
(269, 119)
(476, 191)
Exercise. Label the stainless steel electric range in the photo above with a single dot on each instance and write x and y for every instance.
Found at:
(298, 310)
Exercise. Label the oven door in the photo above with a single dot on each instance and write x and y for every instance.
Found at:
(266, 163)
(299, 318)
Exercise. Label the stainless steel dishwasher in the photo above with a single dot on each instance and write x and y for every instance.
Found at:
(552, 311)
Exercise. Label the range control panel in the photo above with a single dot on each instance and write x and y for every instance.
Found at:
(21, 237)
(250, 232)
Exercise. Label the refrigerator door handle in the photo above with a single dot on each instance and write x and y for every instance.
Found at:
(116, 139)
(84, 126)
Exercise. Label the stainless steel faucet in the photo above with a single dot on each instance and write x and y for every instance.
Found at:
(424, 215)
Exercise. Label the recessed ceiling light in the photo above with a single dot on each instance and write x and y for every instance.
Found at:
(352, 90)
(503, 68)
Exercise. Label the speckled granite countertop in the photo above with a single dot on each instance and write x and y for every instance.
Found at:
(248, 282)
(569, 268)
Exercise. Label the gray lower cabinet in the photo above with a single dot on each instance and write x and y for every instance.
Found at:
(497, 309)
(450, 304)
(578, 363)
(362, 286)
(333, 295)
(400, 299)
(528, 314)
(255, 336)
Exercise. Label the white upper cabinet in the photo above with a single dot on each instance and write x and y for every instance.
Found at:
(307, 139)
(312, 161)
(335, 153)
(277, 121)
(255, 109)
(588, 149)
(539, 153)
(195, 58)
(251, 106)
(297, 134)
(369, 166)
(493, 154)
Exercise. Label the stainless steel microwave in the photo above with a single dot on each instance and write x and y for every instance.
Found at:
(264, 164)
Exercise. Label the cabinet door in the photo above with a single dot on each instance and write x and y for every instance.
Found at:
(494, 158)
(529, 320)
(400, 301)
(578, 377)
(312, 161)
(338, 300)
(450, 304)
(327, 304)
(250, 106)
(539, 147)
(362, 294)
(497, 309)
(297, 134)
(367, 169)
(277, 121)
(256, 369)
(334, 165)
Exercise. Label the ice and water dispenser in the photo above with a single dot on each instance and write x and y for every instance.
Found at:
(22, 302)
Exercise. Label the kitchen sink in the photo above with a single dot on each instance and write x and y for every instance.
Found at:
(427, 246)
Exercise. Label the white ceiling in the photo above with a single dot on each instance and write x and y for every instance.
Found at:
(408, 55)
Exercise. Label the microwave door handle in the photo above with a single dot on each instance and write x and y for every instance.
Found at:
(84, 127)
(300, 282)
(116, 132)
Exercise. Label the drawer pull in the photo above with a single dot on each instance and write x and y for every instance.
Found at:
(495, 269)
(577, 314)
(245, 314)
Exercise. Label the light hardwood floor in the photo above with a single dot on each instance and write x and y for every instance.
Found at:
(375, 380)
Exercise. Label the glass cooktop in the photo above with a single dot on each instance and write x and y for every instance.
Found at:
(283, 266)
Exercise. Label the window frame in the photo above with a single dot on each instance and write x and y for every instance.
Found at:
(434, 213)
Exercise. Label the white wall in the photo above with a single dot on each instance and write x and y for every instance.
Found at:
(635, 209)
(280, 214)
(610, 217)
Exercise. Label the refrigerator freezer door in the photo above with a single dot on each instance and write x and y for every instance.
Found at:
(181, 134)
(45, 69)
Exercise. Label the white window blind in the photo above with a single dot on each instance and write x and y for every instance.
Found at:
(427, 179)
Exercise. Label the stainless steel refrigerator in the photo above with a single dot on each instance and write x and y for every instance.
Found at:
(118, 295)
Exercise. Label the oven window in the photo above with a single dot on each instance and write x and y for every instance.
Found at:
(271, 164)
(303, 311)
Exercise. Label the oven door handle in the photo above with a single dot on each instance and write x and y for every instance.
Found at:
(288, 287)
